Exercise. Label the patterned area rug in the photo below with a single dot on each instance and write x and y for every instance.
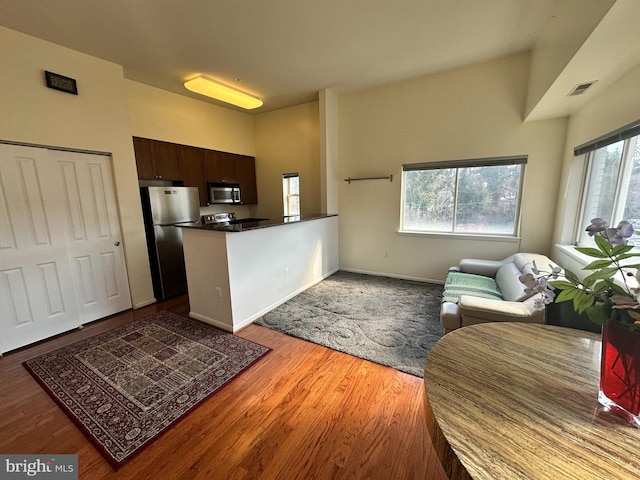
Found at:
(388, 321)
(125, 387)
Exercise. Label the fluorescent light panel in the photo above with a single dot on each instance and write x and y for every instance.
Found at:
(205, 86)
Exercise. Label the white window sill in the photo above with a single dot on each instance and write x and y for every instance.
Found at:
(582, 260)
(460, 236)
(570, 251)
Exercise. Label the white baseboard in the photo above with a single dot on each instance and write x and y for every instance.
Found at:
(259, 314)
(247, 321)
(211, 321)
(145, 303)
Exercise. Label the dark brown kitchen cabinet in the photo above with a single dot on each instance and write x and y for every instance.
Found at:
(246, 175)
(220, 167)
(167, 161)
(157, 160)
(143, 148)
(223, 167)
(192, 163)
(194, 167)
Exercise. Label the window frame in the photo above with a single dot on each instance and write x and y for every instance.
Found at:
(286, 194)
(631, 138)
(520, 160)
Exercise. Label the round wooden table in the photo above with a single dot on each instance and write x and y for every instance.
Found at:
(519, 401)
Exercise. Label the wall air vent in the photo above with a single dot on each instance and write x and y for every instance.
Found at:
(580, 88)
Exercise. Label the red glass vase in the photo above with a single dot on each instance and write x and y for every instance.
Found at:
(620, 372)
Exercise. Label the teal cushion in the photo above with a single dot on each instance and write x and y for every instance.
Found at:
(459, 283)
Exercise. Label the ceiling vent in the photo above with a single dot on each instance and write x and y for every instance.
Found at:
(580, 88)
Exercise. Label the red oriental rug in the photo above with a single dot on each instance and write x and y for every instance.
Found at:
(127, 386)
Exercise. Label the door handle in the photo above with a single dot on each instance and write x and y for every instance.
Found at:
(116, 243)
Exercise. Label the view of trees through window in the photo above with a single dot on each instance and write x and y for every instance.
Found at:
(612, 190)
(472, 199)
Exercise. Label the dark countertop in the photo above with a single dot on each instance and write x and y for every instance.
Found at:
(253, 225)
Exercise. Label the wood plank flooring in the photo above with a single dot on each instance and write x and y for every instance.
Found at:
(302, 412)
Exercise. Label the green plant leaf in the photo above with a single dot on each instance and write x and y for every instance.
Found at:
(582, 301)
(617, 288)
(592, 252)
(598, 313)
(565, 295)
(620, 249)
(600, 287)
(589, 281)
(597, 264)
(585, 300)
(600, 275)
(572, 277)
(603, 244)
(562, 284)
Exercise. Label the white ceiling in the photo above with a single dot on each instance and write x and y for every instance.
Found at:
(283, 51)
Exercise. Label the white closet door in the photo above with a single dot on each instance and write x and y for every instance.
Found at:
(61, 257)
(92, 233)
(37, 297)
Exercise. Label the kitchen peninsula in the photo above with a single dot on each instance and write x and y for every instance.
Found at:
(237, 273)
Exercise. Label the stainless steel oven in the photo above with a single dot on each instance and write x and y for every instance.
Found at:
(224, 193)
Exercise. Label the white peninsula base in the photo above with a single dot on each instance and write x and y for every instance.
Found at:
(234, 278)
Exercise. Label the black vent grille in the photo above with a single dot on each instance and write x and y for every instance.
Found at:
(580, 88)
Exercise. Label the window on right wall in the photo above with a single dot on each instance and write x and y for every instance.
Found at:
(612, 183)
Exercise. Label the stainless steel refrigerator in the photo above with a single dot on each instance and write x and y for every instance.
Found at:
(163, 208)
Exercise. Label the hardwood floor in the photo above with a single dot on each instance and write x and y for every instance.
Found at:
(302, 412)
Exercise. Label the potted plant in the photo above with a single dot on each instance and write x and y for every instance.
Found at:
(609, 297)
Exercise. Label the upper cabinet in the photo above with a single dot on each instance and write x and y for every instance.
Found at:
(167, 161)
(194, 167)
(143, 148)
(192, 163)
(246, 175)
(157, 160)
(220, 167)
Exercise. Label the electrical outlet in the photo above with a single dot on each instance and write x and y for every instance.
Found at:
(219, 290)
(285, 272)
(387, 253)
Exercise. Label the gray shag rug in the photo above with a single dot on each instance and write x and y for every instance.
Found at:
(389, 321)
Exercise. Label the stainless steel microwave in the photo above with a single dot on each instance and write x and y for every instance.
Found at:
(224, 193)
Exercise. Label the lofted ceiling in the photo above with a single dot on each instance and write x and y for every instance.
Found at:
(284, 51)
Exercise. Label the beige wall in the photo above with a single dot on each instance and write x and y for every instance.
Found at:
(287, 141)
(471, 112)
(329, 158)
(174, 118)
(97, 119)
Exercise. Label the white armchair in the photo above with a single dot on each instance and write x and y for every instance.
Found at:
(479, 291)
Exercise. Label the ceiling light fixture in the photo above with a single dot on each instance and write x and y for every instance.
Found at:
(222, 92)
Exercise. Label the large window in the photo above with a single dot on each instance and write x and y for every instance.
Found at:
(612, 185)
(466, 197)
(291, 194)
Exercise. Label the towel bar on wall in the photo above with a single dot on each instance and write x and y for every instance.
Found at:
(390, 178)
